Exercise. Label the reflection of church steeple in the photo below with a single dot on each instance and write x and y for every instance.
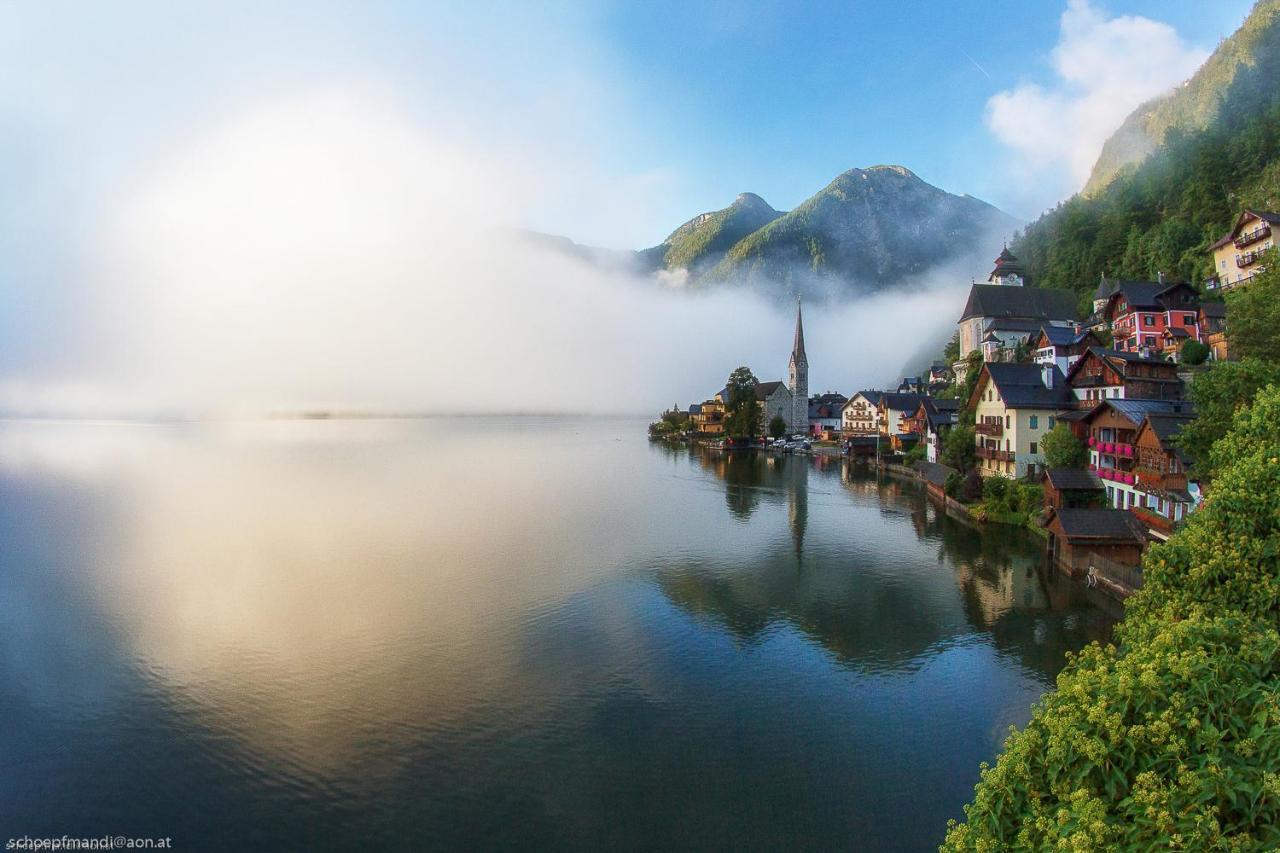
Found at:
(798, 503)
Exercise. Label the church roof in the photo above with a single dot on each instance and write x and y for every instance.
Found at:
(797, 349)
(1006, 264)
(1022, 303)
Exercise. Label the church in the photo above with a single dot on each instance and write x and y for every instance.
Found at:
(789, 399)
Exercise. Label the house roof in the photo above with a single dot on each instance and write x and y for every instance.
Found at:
(1000, 324)
(934, 472)
(1074, 479)
(1021, 386)
(1029, 303)
(902, 402)
(940, 419)
(1166, 426)
(1176, 332)
(695, 409)
(1120, 359)
(1098, 525)
(1063, 336)
(1146, 295)
(1136, 410)
(944, 404)
(1214, 310)
(1265, 215)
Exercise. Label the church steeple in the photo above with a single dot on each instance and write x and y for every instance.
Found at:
(798, 374)
(797, 349)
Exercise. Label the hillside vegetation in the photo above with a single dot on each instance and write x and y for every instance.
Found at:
(1162, 215)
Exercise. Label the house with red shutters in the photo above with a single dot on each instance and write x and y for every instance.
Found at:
(1139, 312)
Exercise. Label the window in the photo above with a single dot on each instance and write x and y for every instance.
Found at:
(1033, 448)
(1035, 424)
(1149, 320)
(1050, 421)
(1008, 422)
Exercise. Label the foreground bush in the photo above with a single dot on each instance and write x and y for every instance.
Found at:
(1172, 740)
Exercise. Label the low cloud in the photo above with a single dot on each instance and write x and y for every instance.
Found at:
(1104, 68)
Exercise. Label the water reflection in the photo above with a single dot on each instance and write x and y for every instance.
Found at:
(392, 634)
(897, 581)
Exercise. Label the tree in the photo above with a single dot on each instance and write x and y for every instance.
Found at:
(744, 414)
(1193, 353)
(973, 367)
(777, 427)
(1253, 315)
(951, 354)
(958, 448)
(1171, 738)
(1218, 393)
(1062, 449)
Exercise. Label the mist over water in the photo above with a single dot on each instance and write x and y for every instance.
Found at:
(329, 252)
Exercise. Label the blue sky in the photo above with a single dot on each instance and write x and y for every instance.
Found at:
(228, 130)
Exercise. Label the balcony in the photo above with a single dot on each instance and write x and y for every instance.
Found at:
(997, 455)
(1248, 258)
(1153, 520)
(1150, 478)
(1115, 475)
(1118, 449)
(1253, 236)
(995, 429)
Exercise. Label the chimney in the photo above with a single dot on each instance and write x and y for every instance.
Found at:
(1160, 277)
(1046, 374)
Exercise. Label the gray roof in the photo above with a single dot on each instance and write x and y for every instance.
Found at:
(944, 404)
(941, 419)
(1021, 386)
(1002, 324)
(1213, 309)
(934, 472)
(1074, 479)
(1099, 525)
(1027, 303)
(902, 402)
(1136, 410)
(1063, 336)
(1145, 294)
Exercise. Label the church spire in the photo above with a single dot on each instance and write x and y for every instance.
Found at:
(797, 349)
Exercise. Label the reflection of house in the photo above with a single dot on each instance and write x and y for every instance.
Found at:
(1140, 311)
(1071, 488)
(1212, 321)
(1076, 535)
(1103, 374)
(1014, 405)
(861, 415)
(1112, 428)
(1004, 311)
(1237, 256)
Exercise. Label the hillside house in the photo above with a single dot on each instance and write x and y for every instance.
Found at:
(825, 418)
(1104, 374)
(1077, 535)
(1062, 346)
(1237, 256)
(861, 414)
(1112, 427)
(1014, 405)
(1140, 311)
(1073, 488)
(1160, 469)
(1212, 321)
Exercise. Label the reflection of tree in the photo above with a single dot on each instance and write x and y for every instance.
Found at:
(875, 607)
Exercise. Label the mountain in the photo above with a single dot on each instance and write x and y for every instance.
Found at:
(866, 229)
(1195, 105)
(1160, 212)
(701, 242)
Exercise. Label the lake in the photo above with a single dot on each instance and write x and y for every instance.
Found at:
(498, 633)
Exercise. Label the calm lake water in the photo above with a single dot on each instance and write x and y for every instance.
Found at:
(512, 634)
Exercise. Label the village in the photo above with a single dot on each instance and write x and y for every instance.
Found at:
(1037, 416)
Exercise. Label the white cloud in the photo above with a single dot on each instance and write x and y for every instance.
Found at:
(1104, 67)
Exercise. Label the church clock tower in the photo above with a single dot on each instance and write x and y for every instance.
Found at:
(798, 373)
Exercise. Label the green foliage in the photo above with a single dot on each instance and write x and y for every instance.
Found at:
(971, 488)
(1193, 353)
(1218, 393)
(703, 240)
(743, 410)
(953, 485)
(1062, 449)
(914, 455)
(951, 354)
(958, 448)
(673, 421)
(973, 363)
(1162, 215)
(1173, 739)
(1253, 315)
(777, 427)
